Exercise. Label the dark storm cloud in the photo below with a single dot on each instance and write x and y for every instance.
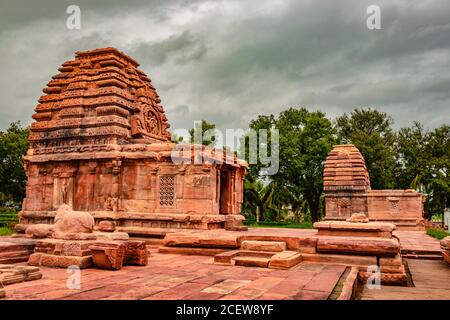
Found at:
(184, 48)
(228, 61)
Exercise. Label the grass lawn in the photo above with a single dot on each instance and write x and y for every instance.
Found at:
(437, 233)
(304, 225)
(6, 231)
(8, 218)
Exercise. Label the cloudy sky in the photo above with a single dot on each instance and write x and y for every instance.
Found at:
(228, 61)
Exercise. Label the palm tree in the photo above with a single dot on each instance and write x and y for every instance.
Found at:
(258, 198)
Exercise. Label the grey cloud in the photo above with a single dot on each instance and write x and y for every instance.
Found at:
(183, 48)
(228, 61)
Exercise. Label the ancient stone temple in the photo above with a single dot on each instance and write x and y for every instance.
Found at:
(347, 192)
(100, 144)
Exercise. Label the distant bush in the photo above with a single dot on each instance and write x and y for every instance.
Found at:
(8, 218)
(6, 231)
(437, 233)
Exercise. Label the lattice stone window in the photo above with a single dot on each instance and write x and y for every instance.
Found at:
(166, 191)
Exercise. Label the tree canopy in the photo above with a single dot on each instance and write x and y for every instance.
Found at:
(13, 146)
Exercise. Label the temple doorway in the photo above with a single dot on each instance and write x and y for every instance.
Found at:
(225, 192)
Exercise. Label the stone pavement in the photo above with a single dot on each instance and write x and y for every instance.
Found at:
(418, 241)
(171, 276)
(431, 282)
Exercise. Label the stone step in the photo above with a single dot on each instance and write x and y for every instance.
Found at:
(423, 256)
(252, 261)
(256, 245)
(20, 259)
(285, 260)
(358, 245)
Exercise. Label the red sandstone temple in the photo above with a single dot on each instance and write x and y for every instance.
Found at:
(347, 191)
(100, 144)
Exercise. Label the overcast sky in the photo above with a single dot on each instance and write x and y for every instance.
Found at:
(228, 61)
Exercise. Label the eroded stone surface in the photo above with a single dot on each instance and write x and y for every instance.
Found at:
(108, 255)
(136, 253)
(10, 274)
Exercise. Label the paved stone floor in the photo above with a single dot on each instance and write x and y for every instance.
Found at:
(170, 276)
(418, 241)
(173, 276)
(431, 282)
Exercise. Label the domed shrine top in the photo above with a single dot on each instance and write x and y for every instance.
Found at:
(98, 100)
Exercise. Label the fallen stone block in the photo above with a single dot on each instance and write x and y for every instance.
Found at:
(108, 255)
(10, 274)
(136, 253)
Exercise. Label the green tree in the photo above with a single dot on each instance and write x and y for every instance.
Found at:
(305, 139)
(202, 128)
(371, 132)
(262, 122)
(258, 198)
(424, 158)
(13, 146)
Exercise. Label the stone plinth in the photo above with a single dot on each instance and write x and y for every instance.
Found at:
(15, 250)
(60, 253)
(445, 246)
(367, 245)
(354, 229)
(100, 144)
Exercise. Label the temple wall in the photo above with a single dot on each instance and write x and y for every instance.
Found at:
(138, 192)
(395, 205)
(341, 205)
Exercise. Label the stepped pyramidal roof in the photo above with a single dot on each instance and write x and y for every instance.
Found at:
(345, 169)
(98, 100)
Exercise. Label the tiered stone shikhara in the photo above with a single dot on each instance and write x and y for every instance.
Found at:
(100, 144)
(347, 192)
